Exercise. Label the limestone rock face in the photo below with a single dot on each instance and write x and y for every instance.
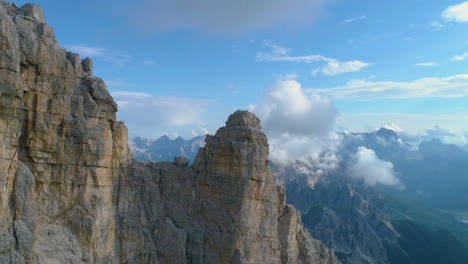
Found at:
(62, 150)
(224, 209)
(71, 193)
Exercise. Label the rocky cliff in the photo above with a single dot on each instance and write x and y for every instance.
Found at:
(71, 193)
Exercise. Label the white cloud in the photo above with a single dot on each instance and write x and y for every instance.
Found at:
(449, 87)
(331, 68)
(335, 67)
(146, 115)
(287, 109)
(299, 126)
(369, 168)
(460, 57)
(426, 64)
(116, 57)
(354, 19)
(457, 13)
(224, 16)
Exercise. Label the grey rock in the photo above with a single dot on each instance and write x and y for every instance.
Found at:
(239, 257)
(34, 12)
(181, 161)
(243, 118)
(87, 65)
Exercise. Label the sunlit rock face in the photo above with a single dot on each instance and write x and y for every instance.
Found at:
(62, 150)
(224, 209)
(71, 193)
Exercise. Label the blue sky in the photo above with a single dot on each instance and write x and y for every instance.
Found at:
(179, 68)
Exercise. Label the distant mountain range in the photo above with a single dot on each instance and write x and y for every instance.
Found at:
(433, 173)
(165, 149)
(423, 223)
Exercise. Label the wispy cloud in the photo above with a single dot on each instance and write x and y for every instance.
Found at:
(331, 68)
(118, 82)
(116, 57)
(456, 13)
(426, 64)
(436, 25)
(149, 62)
(450, 87)
(354, 19)
(287, 76)
(335, 67)
(460, 57)
(145, 114)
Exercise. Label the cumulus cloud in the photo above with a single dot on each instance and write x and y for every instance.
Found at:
(286, 109)
(369, 168)
(456, 13)
(116, 57)
(147, 115)
(223, 16)
(332, 66)
(299, 127)
(449, 87)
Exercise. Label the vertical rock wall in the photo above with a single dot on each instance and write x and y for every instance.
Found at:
(61, 152)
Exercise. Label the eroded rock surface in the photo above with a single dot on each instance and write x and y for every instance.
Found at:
(71, 193)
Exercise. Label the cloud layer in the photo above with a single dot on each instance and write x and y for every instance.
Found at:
(450, 87)
(369, 168)
(332, 67)
(223, 16)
